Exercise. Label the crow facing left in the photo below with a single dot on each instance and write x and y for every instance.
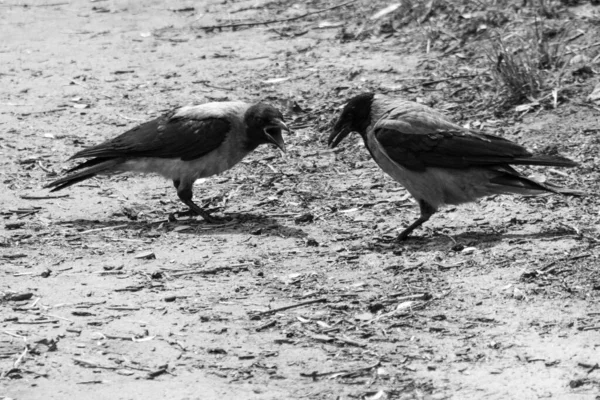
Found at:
(184, 145)
(436, 160)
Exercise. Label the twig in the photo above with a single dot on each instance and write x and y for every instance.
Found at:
(117, 337)
(316, 374)
(347, 340)
(14, 335)
(591, 368)
(52, 110)
(304, 303)
(59, 317)
(273, 21)
(35, 302)
(28, 197)
(214, 270)
(20, 358)
(131, 366)
(266, 325)
(89, 364)
(159, 371)
(591, 328)
(14, 256)
(400, 297)
(106, 228)
(45, 321)
(26, 211)
(49, 5)
(23, 215)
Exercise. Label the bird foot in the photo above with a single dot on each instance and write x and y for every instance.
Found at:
(212, 219)
(207, 217)
(195, 210)
(193, 213)
(423, 218)
(402, 236)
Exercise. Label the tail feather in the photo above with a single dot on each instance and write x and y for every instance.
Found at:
(88, 163)
(68, 181)
(89, 169)
(565, 191)
(511, 181)
(547, 160)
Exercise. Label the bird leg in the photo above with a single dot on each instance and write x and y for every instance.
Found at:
(426, 212)
(185, 195)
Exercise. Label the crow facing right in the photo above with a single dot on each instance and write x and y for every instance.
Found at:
(184, 145)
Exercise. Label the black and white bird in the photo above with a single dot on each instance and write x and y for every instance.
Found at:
(184, 145)
(436, 160)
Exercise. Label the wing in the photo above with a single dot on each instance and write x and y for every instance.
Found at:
(416, 137)
(171, 136)
(430, 144)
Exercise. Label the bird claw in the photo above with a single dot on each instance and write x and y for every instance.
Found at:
(195, 212)
(211, 220)
(402, 237)
(206, 216)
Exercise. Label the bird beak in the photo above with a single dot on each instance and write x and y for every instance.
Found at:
(273, 133)
(338, 134)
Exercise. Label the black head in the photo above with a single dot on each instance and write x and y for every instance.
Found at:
(264, 124)
(355, 117)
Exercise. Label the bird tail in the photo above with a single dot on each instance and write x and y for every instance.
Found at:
(566, 191)
(88, 169)
(553, 160)
(511, 181)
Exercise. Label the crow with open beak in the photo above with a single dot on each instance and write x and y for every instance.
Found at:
(184, 145)
(437, 161)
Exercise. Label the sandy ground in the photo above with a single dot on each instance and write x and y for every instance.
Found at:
(104, 297)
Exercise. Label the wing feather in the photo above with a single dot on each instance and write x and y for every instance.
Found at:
(169, 136)
(449, 149)
(416, 137)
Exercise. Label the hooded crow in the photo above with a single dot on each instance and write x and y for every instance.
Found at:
(184, 145)
(436, 160)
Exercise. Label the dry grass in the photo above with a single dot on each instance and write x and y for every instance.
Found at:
(515, 72)
(527, 64)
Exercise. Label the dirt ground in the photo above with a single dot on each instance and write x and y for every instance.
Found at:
(105, 296)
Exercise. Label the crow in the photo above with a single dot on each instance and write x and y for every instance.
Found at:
(185, 144)
(436, 160)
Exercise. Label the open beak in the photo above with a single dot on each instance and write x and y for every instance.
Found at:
(273, 133)
(338, 134)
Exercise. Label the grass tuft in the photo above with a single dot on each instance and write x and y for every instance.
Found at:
(527, 64)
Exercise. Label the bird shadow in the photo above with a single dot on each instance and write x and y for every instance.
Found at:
(482, 240)
(234, 223)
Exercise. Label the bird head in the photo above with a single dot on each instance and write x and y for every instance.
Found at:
(265, 125)
(355, 117)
